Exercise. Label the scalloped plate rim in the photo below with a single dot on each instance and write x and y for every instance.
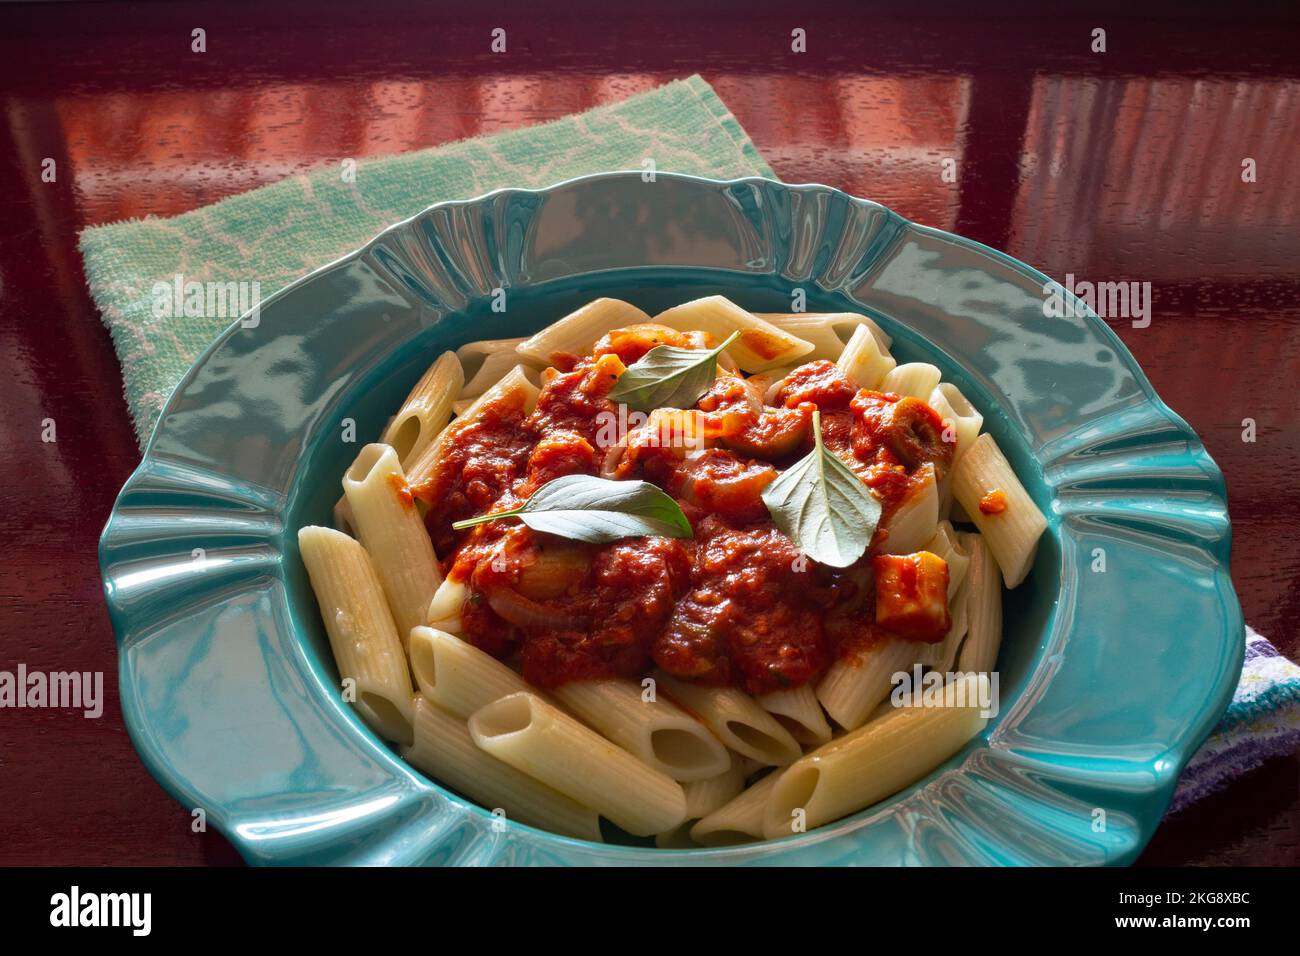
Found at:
(1185, 747)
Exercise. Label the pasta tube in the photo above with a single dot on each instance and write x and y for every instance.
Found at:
(737, 720)
(361, 630)
(426, 410)
(915, 379)
(457, 676)
(485, 363)
(577, 332)
(799, 712)
(542, 741)
(827, 331)
(444, 750)
(853, 686)
(705, 796)
(864, 361)
(739, 821)
(761, 344)
(979, 653)
(876, 760)
(991, 494)
(915, 520)
(657, 732)
(390, 529)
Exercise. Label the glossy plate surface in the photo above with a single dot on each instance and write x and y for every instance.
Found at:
(1121, 650)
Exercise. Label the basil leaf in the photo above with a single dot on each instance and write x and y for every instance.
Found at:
(823, 507)
(668, 377)
(597, 510)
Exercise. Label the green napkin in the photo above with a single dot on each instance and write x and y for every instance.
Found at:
(277, 233)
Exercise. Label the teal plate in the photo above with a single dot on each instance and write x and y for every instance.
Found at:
(1121, 650)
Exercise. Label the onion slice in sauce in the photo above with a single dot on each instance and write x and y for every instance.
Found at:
(513, 607)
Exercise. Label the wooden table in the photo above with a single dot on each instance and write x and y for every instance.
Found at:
(1123, 165)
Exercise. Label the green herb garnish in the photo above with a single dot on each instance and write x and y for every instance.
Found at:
(823, 507)
(596, 510)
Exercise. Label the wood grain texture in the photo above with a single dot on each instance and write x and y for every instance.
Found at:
(1122, 166)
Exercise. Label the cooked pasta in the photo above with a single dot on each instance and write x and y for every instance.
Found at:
(799, 712)
(1002, 510)
(917, 517)
(390, 529)
(426, 410)
(705, 796)
(759, 345)
(864, 360)
(484, 363)
(656, 731)
(915, 379)
(737, 720)
(361, 630)
(577, 332)
(669, 571)
(741, 819)
(548, 745)
(457, 676)
(979, 652)
(445, 751)
(878, 759)
(827, 331)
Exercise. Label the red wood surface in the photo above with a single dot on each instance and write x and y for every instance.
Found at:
(1117, 166)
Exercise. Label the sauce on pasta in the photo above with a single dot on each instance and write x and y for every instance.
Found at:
(737, 605)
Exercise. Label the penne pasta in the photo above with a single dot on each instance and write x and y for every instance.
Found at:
(799, 712)
(426, 410)
(947, 545)
(486, 363)
(827, 331)
(444, 750)
(917, 517)
(457, 676)
(961, 426)
(760, 346)
(444, 609)
(705, 796)
(391, 531)
(740, 820)
(873, 762)
(915, 379)
(864, 360)
(736, 719)
(515, 388)
(957, 413)
(993, 497)
(979, 652)
(360, 626)
(853, 687)
(577, 332)
(943, 655)
(657, 732)
(509, 454)
(343, 519)
(542, 741)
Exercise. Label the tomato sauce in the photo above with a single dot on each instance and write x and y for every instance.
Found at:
(737, 604)
(994, 503)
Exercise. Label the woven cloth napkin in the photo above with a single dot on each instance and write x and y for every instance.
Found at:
(277, 233)
(280, 232)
